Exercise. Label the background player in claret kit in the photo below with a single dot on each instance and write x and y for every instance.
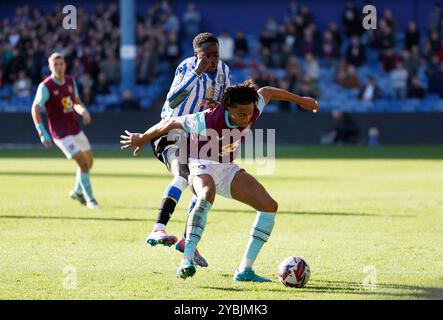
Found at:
(212, 174)
(58, 94)
(202, 77)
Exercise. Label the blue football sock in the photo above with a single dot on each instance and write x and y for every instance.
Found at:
(191, 206)
(195, 226)
(260, 232)
(86, 186)
(78, 186)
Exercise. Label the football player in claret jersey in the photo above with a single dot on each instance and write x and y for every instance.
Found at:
(202, 77)
(212, 170)
(58, 94)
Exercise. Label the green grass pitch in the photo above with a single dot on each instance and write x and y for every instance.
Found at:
(340, 208)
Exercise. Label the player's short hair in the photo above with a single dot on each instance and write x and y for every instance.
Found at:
(55, 55)
(244, 93)
(202, 38)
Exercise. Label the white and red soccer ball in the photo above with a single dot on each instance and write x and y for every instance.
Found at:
(294, 272)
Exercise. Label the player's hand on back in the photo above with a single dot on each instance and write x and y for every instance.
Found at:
(129, 140)
(309, 103)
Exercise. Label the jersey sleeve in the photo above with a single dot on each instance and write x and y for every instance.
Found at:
(261, 103)
(42, 96)
(184, 81)
(194, 123)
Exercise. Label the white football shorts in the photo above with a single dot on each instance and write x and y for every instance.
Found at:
(71, 145)
(222, 173)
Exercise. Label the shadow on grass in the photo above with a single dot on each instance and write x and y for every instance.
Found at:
(78, 218)
(165, 175)
(285, 212)
(345, 152)
(351, 288)
(95, 174)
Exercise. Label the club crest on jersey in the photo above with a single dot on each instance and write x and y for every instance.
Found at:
(220, 78)
(70, 89)
(56, 92)
(67, 104)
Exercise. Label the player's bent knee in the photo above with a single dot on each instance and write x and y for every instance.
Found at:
(269, 206)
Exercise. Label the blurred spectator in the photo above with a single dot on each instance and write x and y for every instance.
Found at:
(311, 67)
(191, 21)
(172, 50)
(266, 57)
(389, 60)
(284, 55)
(345, 128)
(384, 37)
(390, 20)
(336, 34)
(330, 50)
(412, 36)
(128, 103)
(434, 40)
(349, 79)
(307, 87)
(416, 90)
(435, 79)
(22, 86)
(351, 19)
(370, 91)
(102, 86)
(171, 22)
(355, 53)
(309, 44)
(240, 43)
(238, 62)
(111, 68)
(271, 27)
(399, 80)
(16, 64)
(411, 61)
(226, 45)
(434, 18)
(266, 39)
(284, 106)
(148, 64)
(87, 96)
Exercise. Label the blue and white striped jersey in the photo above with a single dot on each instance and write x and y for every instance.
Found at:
(188, 89)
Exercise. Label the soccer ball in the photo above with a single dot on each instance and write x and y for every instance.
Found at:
(294, 272)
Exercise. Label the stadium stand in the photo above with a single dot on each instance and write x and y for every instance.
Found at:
(330, 60)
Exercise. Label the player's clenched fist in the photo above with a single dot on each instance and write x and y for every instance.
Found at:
(309, 103)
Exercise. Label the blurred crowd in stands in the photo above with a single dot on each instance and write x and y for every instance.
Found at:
(289, 53)
(91, 50)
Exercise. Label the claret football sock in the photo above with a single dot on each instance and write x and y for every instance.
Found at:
(260, 232)
(171, 196)
(195, 226)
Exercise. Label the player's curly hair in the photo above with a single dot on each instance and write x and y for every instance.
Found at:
(244, 93)
(203, 38)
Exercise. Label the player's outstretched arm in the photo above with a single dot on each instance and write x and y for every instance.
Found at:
(272, 93)
(138, 140)
(39, 126)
